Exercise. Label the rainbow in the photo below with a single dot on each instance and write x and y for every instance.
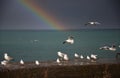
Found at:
(42, 14)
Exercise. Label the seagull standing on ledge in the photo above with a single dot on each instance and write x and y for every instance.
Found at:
(58, 60)
(88, 58)
(93, 56)
(6, 57)
(81, 57)
(21, 62)
(76, 55)
(92, 23)
(70, 40)
(66, 57)
(4, 62)
(37, 62)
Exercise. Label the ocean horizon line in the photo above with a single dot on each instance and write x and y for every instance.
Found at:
(58, 30)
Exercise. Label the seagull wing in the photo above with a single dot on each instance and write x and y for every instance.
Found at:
(87, 23)
(97, 23)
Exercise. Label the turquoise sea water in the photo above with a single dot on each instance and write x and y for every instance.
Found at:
(43, 45)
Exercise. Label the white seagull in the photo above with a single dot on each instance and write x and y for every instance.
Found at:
(88, 58)
(70, 40)
(6, 57)
(58, 60)
(111, 48)
(81, 57)
(92, 23)
(21, 62)
(4, 62)
(37, 62)
(76, 55)
(66, 57)
(104, 48)
(93, 56)
(60, 54)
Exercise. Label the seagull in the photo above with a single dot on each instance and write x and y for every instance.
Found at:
(111, 48)
(81, 57)
(37, 62)
(66, 57)
(58, 60)
(70, 40)
(60, 54)
(76, 55)
(88, 58)
(6, 57)
(21, 62)
(4, 62)
(92, 23)
(93, 56)
(104, 48)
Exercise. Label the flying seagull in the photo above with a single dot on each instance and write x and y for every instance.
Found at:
(111, 48)
(92, 23)
(70, 40)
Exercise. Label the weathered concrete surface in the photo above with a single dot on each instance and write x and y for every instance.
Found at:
(70, 69)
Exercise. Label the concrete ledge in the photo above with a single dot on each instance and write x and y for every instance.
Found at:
(66, 70)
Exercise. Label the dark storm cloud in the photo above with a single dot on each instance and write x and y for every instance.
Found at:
(72, 13)
(16, 16)
(76, 13)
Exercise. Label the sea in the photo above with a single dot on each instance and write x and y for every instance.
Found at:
(43, 45)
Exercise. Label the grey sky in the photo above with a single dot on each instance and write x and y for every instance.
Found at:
(71, 13)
